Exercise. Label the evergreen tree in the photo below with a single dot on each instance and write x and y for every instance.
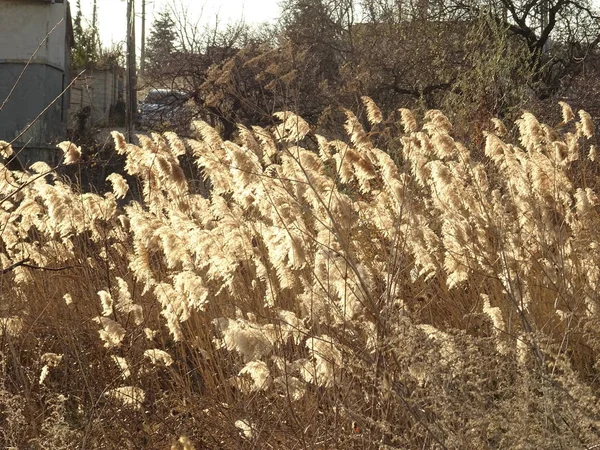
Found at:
(160, 45)
(85, 51)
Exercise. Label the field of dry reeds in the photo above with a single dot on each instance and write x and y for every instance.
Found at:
(390, 290)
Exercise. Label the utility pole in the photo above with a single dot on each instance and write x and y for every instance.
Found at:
(94, 27)
(131, 109)
(143, 49)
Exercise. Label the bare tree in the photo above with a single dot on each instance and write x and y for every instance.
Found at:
(417, 52)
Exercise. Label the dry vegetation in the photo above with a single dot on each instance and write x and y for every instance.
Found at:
(393, 290)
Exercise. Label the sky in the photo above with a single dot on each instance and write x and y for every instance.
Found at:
(112, 13)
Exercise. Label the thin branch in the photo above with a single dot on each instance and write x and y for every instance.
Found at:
(13, 266)
(49, 269)
(24, 263)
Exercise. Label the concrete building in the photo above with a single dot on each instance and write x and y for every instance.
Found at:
(35, 41)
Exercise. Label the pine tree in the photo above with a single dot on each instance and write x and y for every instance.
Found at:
(160, 45)
(85, 51)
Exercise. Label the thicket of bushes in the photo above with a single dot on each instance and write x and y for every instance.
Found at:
(395, 289)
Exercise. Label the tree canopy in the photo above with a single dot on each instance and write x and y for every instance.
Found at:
(161, 43)
(475, 60)
(86, 48)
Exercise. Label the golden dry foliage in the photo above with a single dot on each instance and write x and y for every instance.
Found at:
(330, 297)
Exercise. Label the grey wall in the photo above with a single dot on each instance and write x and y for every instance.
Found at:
(24, 25)
(38, 87)
(99, 89)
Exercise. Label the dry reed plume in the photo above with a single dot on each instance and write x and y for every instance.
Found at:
(394, 290)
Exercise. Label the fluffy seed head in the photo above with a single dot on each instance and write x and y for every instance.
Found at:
(120, 186)
(587, 125)
(6, 151)
(374, 115)
(499, 127)
(129, 396)
(71, 152)
(567, 112)
(158, 357)
(408, 121)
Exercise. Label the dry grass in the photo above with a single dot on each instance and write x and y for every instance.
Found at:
(388, 291)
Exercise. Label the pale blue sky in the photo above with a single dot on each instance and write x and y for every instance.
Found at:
(112, 13)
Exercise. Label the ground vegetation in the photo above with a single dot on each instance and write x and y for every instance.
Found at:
(395, 288)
